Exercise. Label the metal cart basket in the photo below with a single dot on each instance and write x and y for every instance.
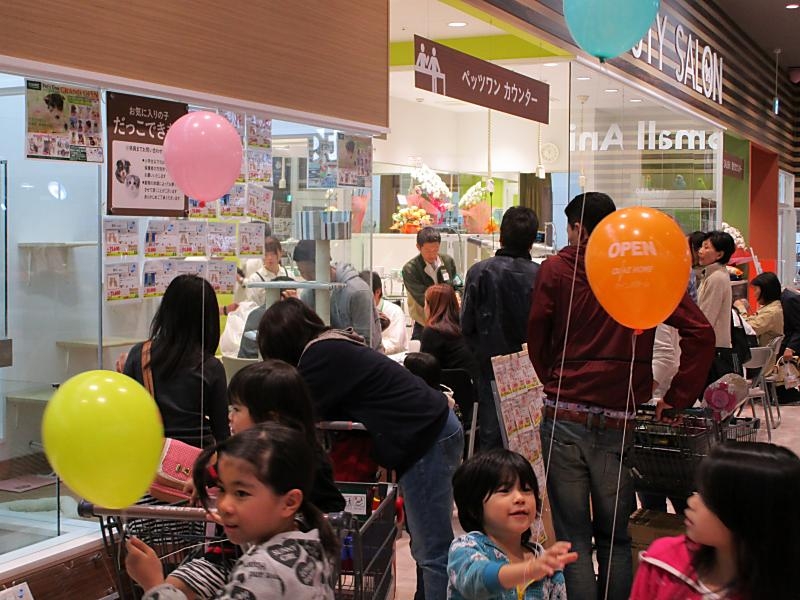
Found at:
(179, 533)
(666, 456)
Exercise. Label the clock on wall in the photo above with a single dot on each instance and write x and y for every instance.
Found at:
(549, 152)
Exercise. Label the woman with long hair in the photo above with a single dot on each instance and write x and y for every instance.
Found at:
(442, 335)
(189, 383)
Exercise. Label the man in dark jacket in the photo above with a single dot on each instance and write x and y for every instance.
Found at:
(495, 308)
(424, 270)
(585, 359)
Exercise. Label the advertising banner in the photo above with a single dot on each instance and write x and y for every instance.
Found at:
(138, 181)
(62, 122)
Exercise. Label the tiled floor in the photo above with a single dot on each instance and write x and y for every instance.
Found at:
(787, 434)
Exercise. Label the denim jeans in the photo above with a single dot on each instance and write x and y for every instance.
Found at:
(428, 492)
(488, 425)
(582, 487)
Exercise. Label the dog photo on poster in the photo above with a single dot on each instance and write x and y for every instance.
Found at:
(62, 122)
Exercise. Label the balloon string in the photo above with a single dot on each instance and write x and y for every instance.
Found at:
(630, 407)
(564, 347)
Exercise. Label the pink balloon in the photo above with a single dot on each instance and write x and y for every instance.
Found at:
(203, 154)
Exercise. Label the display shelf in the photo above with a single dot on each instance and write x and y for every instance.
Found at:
(92, 343)
(77, 244)
(38, 395)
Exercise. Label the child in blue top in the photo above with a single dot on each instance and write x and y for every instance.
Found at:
(497, 496)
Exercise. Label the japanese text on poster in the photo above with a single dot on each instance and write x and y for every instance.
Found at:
(63, 122)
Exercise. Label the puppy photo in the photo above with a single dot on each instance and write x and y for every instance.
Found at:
(132, 185)
(55, 108)
(122, 171)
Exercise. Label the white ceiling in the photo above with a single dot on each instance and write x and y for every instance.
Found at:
(429, 18)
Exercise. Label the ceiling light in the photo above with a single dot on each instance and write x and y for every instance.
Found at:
(457, 24)
(611, 90)
(792, 6)
(583, 78)
(635, 100)
(550, 65)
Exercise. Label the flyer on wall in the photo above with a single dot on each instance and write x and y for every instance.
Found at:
(161, 239)
(322, 160)
(156, 276)
(355, 160)
(191, 238)
(259, 166)
(120, 237)
(259, 202)
(191, 267)
(138, 181)
(221, 274)
(259, 132)
(122, 282)
(251, 239)
(200, 209)
(62, 122)
(233, 203)
(222, 239)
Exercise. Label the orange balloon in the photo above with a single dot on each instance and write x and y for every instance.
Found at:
(638, 262)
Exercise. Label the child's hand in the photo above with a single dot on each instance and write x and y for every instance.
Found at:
(553, 559)
(142, 564)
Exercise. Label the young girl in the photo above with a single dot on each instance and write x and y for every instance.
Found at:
(271, 390)
(265, 474)
(497, 496)
(742, 537)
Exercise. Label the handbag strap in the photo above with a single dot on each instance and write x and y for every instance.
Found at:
(147, 372)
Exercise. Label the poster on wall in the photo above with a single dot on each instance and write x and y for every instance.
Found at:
(120, 237)
(191, 238)
(259, 132)
(222, 239)
(200, 209)
(122, 282)
(62, 122)
(251, 239)
(138, 181)
(233, 203)
(156, 276)
(322, 160)
(161, 239)
(191, 267)
(259, 202)
(355, 161)
(221, 274)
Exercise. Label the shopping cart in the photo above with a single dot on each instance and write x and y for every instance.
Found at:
(665, 456)
(176, 532)
(179, 533)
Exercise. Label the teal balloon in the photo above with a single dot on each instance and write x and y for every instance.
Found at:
(607, 28)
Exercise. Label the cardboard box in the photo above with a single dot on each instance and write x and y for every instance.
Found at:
(648, 525)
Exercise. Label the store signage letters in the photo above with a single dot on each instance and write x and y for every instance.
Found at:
(699, 65)
(648, 137)
(442, 70)
(732, 165)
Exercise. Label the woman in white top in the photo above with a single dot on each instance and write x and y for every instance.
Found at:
(714, 296)
(270, 269)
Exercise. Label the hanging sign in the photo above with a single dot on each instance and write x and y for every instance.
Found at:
(442, 70)
(138, 181)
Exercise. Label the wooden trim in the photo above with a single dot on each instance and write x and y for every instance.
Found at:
(309, 57)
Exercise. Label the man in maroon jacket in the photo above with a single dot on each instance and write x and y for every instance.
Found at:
(583, 357)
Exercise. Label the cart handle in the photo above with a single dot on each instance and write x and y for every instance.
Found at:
(341, 426)
(165, 512)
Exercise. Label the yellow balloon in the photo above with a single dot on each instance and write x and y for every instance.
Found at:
(103, 435)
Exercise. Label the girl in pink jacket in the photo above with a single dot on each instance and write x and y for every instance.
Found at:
(742, 537)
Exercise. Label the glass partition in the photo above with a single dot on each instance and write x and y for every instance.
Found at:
(642, 151)
(56, 263)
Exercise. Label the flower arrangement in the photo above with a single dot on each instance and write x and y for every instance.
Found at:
(429, 192)
(479, 192)
(737, 236)
(410, 219)
(491, 226)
